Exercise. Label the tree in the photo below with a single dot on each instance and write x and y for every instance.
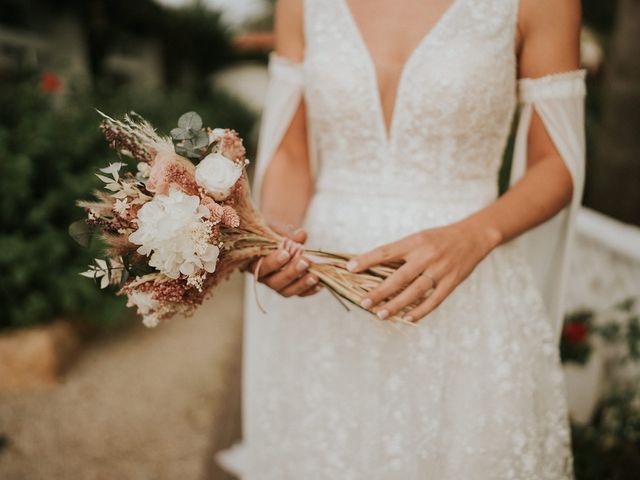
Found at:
(613, 185)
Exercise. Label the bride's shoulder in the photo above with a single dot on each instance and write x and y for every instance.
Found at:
(289, 30)
(548, 36)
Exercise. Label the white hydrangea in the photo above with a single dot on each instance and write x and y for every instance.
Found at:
(146, 305)
(171, 229)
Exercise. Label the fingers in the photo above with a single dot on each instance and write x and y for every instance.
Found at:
(286, 274)
(374, 257)
(273, 262)
(302, 285)
(395, 282)
(284, 269)
(442, 291)
(288, 247)
(281, 279)
(420, 287)
(311, 291)
(298, 235)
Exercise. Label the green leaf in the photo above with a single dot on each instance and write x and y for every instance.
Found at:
(123, 278)
(108, 260)
(190, 120)
(81, 232)
(136, 269)
(626, 305)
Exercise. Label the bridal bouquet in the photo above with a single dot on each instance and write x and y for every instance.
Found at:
(183, 220)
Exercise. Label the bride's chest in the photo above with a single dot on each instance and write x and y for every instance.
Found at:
(462, 76)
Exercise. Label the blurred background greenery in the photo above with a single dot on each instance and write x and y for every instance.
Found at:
(60, 59)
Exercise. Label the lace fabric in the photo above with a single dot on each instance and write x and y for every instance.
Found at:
(476, 389)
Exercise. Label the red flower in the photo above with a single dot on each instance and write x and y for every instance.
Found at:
(50, 82)
(576, 332)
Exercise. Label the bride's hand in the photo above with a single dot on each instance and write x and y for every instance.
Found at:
(436, 261)
(285, 273)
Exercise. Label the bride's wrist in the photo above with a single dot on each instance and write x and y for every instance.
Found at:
(488, 235)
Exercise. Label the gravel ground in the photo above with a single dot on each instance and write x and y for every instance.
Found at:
(144, 404)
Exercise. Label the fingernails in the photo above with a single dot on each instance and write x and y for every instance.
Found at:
(366, 303)
(408, 318)
(301, 266)
(352, 265)
(382, 314)
(311, 281)
(283, 255)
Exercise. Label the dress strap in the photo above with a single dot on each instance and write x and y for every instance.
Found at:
(285, 69)
(557, 85)
(559, 101)
(284, 93)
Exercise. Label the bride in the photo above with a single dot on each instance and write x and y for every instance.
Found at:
(384, 132)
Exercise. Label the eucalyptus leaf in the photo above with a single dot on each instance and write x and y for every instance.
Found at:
(201, 140)
(81, 232)
(190, 120)
(180, 150)
(180, 133)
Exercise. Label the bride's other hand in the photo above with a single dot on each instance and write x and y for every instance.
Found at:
(285, 273)
(436, 261)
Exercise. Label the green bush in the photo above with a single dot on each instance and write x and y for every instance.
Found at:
(50, 148)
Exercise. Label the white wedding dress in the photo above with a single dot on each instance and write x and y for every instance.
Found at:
(475, 391)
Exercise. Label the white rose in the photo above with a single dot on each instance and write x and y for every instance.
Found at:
(217, 174)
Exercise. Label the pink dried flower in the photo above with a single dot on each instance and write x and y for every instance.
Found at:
(173, 291)
(231, 145)
(230, 217)
(167, 169)
(122, 141)
(216, 210)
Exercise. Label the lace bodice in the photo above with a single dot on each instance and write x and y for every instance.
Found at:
(453, 106)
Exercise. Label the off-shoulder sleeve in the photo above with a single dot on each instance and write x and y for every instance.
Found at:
(559, 101)
(284, 93)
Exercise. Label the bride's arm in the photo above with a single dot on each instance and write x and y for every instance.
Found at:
(548, 40)
(549, 36)
(287, 184)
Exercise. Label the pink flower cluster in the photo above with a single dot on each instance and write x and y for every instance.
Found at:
(231, 146)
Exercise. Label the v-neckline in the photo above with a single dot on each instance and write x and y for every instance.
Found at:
(388, 131)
